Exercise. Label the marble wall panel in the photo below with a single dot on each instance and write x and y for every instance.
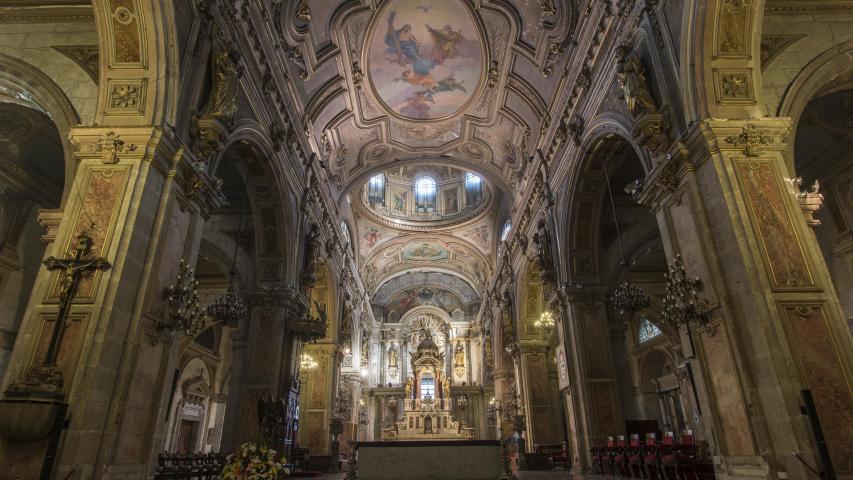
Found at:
(773, 226)
(823, 371)
(102, 192)
(726, 390)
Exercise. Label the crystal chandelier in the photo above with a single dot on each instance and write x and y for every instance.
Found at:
(682, 303)
(628, 298)
(307, 362)
(546, 320)
(228, 309)
(182, 299)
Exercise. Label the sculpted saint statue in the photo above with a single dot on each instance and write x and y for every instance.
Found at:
(446, 388)
(222, 103)
(409, 384)
(459, 356)
(392, 357)
(632, 80)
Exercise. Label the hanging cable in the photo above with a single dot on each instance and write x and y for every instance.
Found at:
(613, 209)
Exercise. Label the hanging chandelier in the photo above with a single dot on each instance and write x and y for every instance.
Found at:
(682, 303)
(182, 300)
(307, 362)
(629, 298)
(228, 309)
(546, 320)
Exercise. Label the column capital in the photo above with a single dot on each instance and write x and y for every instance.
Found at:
(750, 138)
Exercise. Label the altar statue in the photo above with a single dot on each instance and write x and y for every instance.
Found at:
(446, 385)
(409, 384)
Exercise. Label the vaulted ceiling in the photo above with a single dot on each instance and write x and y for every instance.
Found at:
(430, 83)
(406, 81)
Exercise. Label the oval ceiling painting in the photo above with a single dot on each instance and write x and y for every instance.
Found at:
(425, 58)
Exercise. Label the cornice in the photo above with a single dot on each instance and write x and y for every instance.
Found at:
(49, 14)
(799, 7)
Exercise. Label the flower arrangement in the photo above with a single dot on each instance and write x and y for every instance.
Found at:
(251, 462)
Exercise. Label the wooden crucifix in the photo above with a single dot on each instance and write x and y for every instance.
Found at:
(72, 270)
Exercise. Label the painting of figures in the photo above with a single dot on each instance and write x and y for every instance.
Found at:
(425, 58)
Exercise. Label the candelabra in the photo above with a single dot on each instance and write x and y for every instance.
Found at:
(182, 299)
(682, 303)
(228, 309)
(629, 299)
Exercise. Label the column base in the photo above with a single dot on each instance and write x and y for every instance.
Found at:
(736, 468)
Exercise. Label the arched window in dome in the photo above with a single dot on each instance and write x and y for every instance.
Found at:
(376, 190)
(425, 195)
(473, 188)
(505, 231)
(648, 330)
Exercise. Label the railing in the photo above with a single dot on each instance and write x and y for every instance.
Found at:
(189, 466)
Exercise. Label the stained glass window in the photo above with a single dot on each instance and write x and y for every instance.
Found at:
(376, 190)
(648, 330)
(425, 194)
(473, 188)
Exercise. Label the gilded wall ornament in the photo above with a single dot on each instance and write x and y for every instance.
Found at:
(110, 145)
(753, 140)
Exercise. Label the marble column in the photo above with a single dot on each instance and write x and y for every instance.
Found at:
(131, 193)
(532, 368)
(592, 399)
(726, 204)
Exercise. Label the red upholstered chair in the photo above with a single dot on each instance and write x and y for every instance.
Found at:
(635, 457)
(620, 457)
(596, 454)
(682, 458)
(651, 458)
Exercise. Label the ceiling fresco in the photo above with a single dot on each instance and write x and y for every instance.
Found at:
(452, 283)
(454, 82)
(425, 59)
(433, 252)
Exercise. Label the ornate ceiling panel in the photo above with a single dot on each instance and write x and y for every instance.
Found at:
(401, 81)
(415, 280)
(432, 253)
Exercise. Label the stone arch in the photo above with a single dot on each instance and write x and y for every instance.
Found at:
(48, 97)
(583, 202)
(270, 202)
(412, 316)
(136, 41)
(832, 70)
(721, 65)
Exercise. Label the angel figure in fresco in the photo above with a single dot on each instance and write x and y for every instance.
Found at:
(444, 41)
(416, 106)
(425, 81)
(405, 49)
(448, 84)
(371, 237)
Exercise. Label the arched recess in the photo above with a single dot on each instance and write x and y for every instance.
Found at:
(270, 201)
(34, 171)
(26, 86)
(721, 64)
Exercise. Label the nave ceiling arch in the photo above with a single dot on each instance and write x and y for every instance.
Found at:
(476, 100)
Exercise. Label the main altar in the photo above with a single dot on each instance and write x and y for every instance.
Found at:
(427, 403)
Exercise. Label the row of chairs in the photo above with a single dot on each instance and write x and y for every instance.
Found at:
(189, 466)
(669, 460)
